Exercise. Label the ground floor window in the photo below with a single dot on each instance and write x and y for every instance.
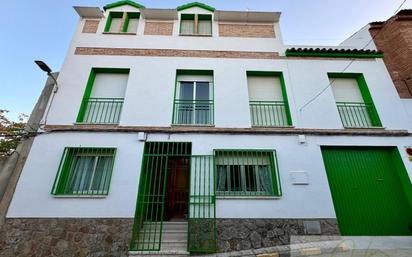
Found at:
(84, 171)
(246, 172)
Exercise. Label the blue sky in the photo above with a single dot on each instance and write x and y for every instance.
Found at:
(42, 29)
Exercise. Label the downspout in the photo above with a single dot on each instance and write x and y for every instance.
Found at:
(13, 166)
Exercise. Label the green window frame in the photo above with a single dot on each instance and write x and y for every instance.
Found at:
(198, 24)
(130, 16)
(110, 18)
(247, 173)
(194, 111)
(357, 115)
(270, 113)
(84, 171)
(100, 110)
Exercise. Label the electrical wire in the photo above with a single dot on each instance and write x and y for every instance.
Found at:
(350, 63)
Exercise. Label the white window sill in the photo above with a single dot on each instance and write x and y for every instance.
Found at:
(247, 197)
(79, 196)
(195, 35)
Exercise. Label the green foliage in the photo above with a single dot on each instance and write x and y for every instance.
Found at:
(11, 132)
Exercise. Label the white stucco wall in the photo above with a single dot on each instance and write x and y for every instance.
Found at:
(149, 93)
(33, 198)
(361, 39)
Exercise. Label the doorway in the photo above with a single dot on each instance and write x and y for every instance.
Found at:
(177, 188)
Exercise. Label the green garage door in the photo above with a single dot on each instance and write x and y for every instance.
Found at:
(371, 190)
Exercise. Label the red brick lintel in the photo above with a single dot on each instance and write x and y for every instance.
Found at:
(214, 130)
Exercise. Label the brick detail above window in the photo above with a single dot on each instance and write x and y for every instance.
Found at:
(90, 26)
(158, 28)
(247, 30)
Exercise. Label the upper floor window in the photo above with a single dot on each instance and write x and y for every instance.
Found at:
(104, 95)
(114, 21)
(267, 99)
(196, 24)
(118, 22)
(131, 22)
(354, 102)
(193, 104)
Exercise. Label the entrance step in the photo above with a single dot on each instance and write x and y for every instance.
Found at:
(174, 239)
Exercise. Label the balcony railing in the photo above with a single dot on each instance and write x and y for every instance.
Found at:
(358, 115)
(193, 112)
(269, 113)
(102, 110)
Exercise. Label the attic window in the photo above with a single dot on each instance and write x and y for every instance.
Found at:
(114, 21)
(196, 24)
(131, 22)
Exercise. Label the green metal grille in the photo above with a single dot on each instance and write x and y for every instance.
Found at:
(247, 173)
(202, 210)
(102, 110)
(84, 171)
(193, 112)
(269, 113)
(358, 115)
(149, 215)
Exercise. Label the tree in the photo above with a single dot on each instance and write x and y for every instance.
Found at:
(11, 132)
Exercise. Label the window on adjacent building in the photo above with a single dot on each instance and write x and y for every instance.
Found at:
(104, 95)
(353, 100)
(84, 171)
(267, 99)
(193, 104)
(114, 21)
(196, 24)
(131, 22)
(246, 172)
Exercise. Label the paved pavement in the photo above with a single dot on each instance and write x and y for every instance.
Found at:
(370, 253)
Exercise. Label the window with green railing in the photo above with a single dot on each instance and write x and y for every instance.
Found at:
(84, 171)
(104, 95)
(193, 103)
(268, 100)
(247, 173)
(353, 101)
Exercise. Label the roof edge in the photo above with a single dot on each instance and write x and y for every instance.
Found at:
(123, 2)
(195, 4)
(334, 53)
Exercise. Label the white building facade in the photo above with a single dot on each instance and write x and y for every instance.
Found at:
(203, 119)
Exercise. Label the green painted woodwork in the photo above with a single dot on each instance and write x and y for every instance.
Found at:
(129, 15)
(258, 108)
(334, 55)
(109, 19)
(89, 86)
(123, 2)
(84, 172)
(367, 98)
(204, 17)
(195, 4)
(368, 190)
(243, 172)
(202, 205)
(150, 206)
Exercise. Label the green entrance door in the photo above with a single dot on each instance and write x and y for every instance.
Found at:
(370, 190)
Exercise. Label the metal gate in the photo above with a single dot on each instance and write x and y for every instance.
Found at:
(202, 205)
(149, 215)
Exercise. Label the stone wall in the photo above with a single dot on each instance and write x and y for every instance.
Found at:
(244, 234)
(65, 237)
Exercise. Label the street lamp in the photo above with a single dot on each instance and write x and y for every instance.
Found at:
(44, 67)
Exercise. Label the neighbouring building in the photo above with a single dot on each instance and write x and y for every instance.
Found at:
(394, 38)
(196, 130)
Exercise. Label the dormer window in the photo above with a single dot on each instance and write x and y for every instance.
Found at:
(196, 24)
(119, 22)
(114, 21)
